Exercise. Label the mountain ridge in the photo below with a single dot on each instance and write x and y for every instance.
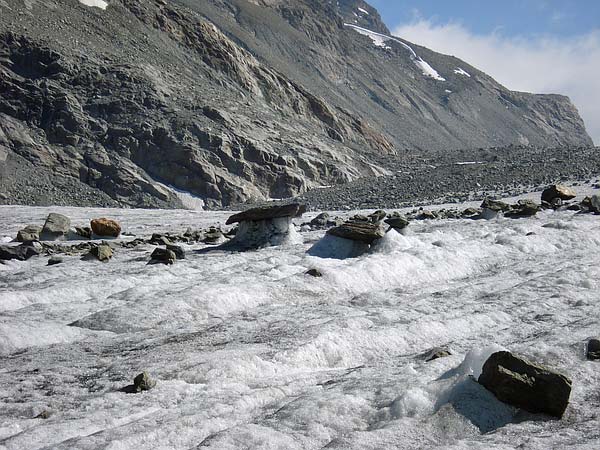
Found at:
(232, 101)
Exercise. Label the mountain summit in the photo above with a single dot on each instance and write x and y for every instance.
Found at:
(149, 103)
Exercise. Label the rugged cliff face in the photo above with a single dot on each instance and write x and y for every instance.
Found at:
(230, 100)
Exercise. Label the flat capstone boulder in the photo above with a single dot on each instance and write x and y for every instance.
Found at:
(526, 385)
(268, 212)
(263, 227)
(365, 232)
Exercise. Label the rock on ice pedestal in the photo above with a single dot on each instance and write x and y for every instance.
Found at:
(366, 232)
(263, 227)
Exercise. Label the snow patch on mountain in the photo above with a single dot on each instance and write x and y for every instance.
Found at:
(380, 41)
(460, 71)
(95, 3)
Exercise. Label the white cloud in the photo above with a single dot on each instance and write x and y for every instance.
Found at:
(540, 64)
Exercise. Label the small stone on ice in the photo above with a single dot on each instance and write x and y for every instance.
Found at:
(143, 382)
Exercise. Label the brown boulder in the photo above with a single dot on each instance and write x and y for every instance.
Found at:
(105, 227)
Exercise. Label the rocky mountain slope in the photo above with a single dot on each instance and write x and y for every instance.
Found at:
(234, 100)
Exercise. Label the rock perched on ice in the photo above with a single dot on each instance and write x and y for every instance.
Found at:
(21, 252)
(532, 387)
(320, 221)
(427, 215)
(268, 212)
(366, 232)
(491, 208)
(56, 227)
(29, 233)
(436, 353)
(177, 250)
(213, 236)
(262, 227)
(524, 208)
(159, 239)
(54, 260)
(495, 205)
(314, 273)
(591, 204)
(105, 227)
(471, 213)
(558, 191)
(397, 222)
(593, 349)
(84, 232)
(377, 216)
(102, 252)
(163, 255)
(143, 382)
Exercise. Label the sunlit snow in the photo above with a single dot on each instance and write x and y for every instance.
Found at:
(460, 71)
(249, 352)
(97, 3)
(380, 40)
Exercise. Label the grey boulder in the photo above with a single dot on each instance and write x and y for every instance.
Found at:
(29, 233)
(21, 252)
(56, 227)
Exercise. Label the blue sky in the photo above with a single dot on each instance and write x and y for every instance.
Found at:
(523, 17)
(539, 46)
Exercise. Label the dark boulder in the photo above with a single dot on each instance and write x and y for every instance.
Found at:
(521, 383)
(593, 349)
(314, 273)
